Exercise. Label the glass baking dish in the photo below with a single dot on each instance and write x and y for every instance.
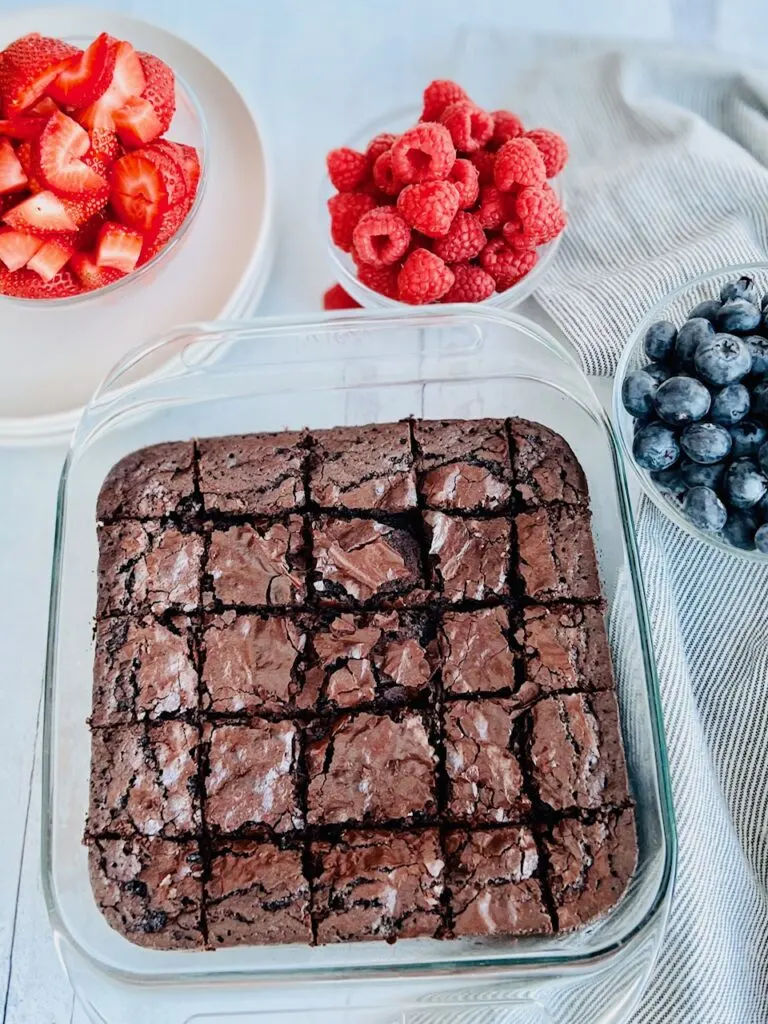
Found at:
(210, 379)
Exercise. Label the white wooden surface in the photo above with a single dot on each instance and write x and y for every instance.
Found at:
(312, 70)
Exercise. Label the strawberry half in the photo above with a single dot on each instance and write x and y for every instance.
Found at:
(187, 159)
(26, 284)
(137, 123)
(17, 248)
(118, 247)
(12, 176)
(56, 157)
(41, 214)
(90, 275)
(160, 89)
(87, 76)
(29, 66)
(139, 195)
(127, 80)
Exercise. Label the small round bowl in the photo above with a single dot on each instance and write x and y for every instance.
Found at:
(188, 126)
(676, 307)
(344, 267)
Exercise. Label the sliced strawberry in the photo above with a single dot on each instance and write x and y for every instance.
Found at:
(17, 248)
(186, 157)
(105, 148)
(26, 284)
(50, 258)
(30, 124)
(160, 88)
(41, 214)
(12, 176)
(29, 66)
(90, 274)
(127, 80)
(56, 158)
(87, 76)
(137, 123)
(118, 247)
(139, 194)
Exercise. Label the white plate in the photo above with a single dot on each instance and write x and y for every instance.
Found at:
(52, 359)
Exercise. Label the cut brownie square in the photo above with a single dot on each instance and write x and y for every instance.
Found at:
(469, 557)
(474, 651)
(371, 768)
(463, 464)
(252, 474)
(482, 749)
(576, 753)
(358, 560)
(149, 889)
(142, 669)
(546, 469)
(491, 878)
(251, 785)
(377, 885)
(149, 484)
(566, 648)
(557, 554)
(590, 865)
(147, 567)
(256, 895)
(252, 664)
(144, 779)
(368, 467)
(258, 564)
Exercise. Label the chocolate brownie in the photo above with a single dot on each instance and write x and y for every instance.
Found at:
(149, 484)
(377, 885)
(367, 467)
(258, 564)
(482, 750)
(256, 894)
(590, 865)
(557, 554)
(371, 768)
(144, 566)
(252, 474)
(149, 889)
(143, 669)
(250, 782)
(493, 884)
(358, 560)
(546, 469)
(475, 655)
(463, 464)
(469, 557)
(576, 753)
(144, 778)
(565, 648)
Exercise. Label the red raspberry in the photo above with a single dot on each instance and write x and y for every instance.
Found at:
(494, 208)
(423, 278)
(506, 266)
(347, 168)
(518, 162)
(552, 147)
(484, 161)
(506, 126)
(383, 176)
(464, 240)
(540, 214)
(378, 145)
(430, 208)
(380, 279)
(346, 209)
(438, 95)
(336, 298)
(470, 284)
(467, 181)
(470, 126)
(423, 153)
(381, 237)
(514, 235)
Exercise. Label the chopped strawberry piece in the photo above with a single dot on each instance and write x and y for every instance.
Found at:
(26, 284)
(127, 80)
(56, 157)
(29, 65)
(138, 195)
(160, 88)
(118, 247)
(86, 76)
(17, 248)
(12, 176)
(41, 214)
(137, 123)
(52, 255)
(30, 124)
(186, 157)
(90, 274)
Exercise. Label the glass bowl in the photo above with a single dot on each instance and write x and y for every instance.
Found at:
(398, 121)
(188, 126)
(676, 307)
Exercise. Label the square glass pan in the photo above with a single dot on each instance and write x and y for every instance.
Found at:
(352, 369)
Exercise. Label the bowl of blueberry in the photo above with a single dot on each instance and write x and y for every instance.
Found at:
(691, 404)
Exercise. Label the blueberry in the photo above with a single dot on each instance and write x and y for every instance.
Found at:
(737, 315)
(655, 447)
(744, 485)
(747, 437)
(758, 349)
(708, 309)
(697, 475)
(730, 405)
(705, 510)
(761, 539)
(743, 288)
(760, 398)
(688, 338)
(740, 529)
(682, 400)
(660, 340)
(722, 359)
(658, 371)
(670, 482)
(705, 442)
(762, 456)
(637, 391)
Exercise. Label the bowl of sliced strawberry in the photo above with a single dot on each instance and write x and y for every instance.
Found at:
(102, 161)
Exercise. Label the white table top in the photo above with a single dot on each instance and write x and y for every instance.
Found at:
(311, 70)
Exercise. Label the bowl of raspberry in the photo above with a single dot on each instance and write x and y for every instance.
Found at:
(102, 166)
(448, 203)
(690, 402)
